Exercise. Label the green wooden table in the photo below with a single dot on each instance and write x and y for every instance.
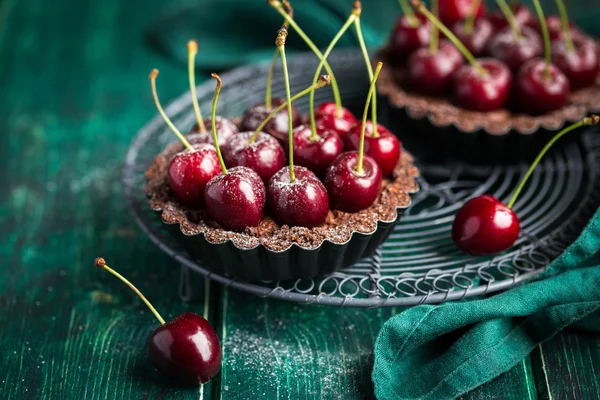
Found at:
(73, 92)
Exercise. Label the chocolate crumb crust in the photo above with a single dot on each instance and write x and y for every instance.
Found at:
(338, 228)
(442, 113)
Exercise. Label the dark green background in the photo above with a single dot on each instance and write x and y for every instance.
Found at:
(73, 92)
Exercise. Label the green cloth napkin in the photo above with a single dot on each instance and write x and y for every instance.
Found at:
(440, 352)
(236, 32)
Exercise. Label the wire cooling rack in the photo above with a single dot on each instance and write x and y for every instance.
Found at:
(418, 264)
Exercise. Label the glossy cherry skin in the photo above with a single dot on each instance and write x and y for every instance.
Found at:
(430, 73)
(186, 349)
(514, 52)
(477, 40)
(555, 28)
(303, 202)
(327, 118)
(236, 200)
(277, 126)
(265, 156)
(225, 130)
(330, 108)
(189, 172)
(523, 16)
(487, 92)
(580, 65)
(534, 94)
(349, 190)
(407, 38)
(485, 226)
(385, 149)
(451, 11)
(316, 155)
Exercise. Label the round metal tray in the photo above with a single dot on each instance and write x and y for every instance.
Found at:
(418, 263)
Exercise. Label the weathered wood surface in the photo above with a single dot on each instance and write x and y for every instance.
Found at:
(73, 91)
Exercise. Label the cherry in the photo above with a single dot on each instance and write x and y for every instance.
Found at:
(576, 57)
(475, 38)
(316, 154)
(296, 196)
(484, 225)
(555, 28)
(523, 17)
(265, 156)
(540, 86)
(354, 179)
(482, 85)
(277, 125)
(515, 50)
(301, 202)
(329, 118)
(235, 198)
(451, 11)
(409, 34)
(431, 73)
(385, 148)
(225, 128)
(185, 349)
(190, 170)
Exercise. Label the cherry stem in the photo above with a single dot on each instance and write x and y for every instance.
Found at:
(510, 17)
(311, 107)
(451, 36)
(213, 121)
(435, 32)
(281, 37)
(268, 97)
(101, 263)
(361, 148)
(470, 20)
(408, 12)
(357, 9)
(183, 140)
(593, 120)
(564, 22)
(324, 80)
(192, 48)
(276, 4)
(546, 34)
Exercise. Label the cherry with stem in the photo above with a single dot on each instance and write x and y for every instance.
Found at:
(357, 10)
(185, 349)
(475, 33)
(486, 226)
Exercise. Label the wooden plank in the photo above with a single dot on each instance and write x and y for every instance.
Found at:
(568, 366)
(74, 91)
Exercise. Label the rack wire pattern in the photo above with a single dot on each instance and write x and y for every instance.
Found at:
(418, 264)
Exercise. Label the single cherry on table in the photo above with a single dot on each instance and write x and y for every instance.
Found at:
(185, 349)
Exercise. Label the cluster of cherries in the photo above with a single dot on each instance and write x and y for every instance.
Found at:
(511, 42)
(237, 174)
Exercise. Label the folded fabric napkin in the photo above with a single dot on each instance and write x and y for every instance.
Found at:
(440, 352)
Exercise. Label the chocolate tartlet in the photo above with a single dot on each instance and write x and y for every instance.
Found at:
(273, 252)
(442, 129)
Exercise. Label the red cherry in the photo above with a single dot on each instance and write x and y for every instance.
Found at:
(407, 38)
(190, 171)
(430, 73)
(483, 92)
(236, 200)
(534, 93)
(330, 108)
(316, 155)
(580, 64)
(303, 202)
(555, 28)
(513, 51)
(349, 190)
(225, 130)
(485, 226)
(476, 40)
(385, 149)
(265, 156)
(326, 119)
(523, 17)
(277, 126)
(451, 11)
(186, 349)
